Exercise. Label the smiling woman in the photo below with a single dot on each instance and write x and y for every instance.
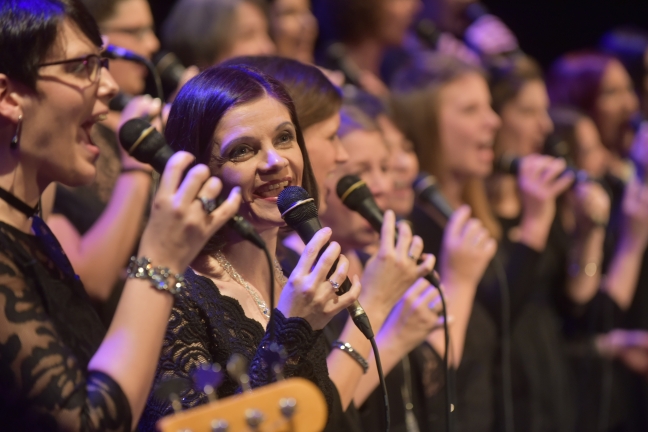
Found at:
(60, 369)
(243, 124)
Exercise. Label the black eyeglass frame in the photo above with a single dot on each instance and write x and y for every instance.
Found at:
(103, 63)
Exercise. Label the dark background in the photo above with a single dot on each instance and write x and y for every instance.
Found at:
(545, 28)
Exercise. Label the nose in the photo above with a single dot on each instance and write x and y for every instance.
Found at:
(108, 88)
(152, 44)
(380, 184)
(274, 161)
(546, 123)
(493, 120)
(341, 155)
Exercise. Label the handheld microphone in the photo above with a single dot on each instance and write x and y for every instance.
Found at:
(427, 191)
(146, 144)
(510, 164)
(336, 53)
(169, 67)
(354, 193)
(299, 211)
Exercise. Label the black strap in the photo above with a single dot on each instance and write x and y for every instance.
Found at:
(19, 205)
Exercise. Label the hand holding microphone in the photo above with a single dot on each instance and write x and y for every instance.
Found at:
(310, 291)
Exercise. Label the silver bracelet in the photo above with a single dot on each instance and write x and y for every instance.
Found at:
(347, 348)
(141, 268)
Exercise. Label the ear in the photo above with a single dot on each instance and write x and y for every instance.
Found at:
(10, 99)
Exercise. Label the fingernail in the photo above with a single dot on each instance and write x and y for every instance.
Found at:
(236, 190)
(157, 102)
(327, 230)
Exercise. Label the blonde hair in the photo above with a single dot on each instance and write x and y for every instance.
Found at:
(415, 109)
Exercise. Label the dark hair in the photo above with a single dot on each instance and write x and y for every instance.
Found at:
(369, 104)
(575, 79)
(506, 82)
(204, 100)
(629, 45)
(102, 10)
(29, 29)
(315, 97)
(199, 31)
(347, 21)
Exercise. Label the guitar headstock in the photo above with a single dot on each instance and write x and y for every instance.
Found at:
(295, 405)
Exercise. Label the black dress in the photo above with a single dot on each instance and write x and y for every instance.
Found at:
(208, 327)
(48, 334)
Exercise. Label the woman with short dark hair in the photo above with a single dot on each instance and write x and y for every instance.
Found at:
(243, 124)
(59, 369)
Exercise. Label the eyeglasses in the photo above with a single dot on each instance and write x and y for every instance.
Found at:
(137, 32)
(87, 67)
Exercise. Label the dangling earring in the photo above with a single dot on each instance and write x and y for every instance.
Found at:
(16, 139)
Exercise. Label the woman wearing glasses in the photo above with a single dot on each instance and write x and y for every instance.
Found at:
(102, 220)
(58, 368)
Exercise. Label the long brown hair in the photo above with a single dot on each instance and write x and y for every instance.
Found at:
(415, 107)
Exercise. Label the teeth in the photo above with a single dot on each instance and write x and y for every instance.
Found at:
(277, 186)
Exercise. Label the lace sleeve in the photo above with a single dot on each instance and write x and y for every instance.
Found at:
(185, 347)
(306, 349)
(42, 385)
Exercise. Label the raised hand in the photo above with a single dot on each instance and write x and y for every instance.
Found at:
(592, 207)
(540, 180)
(466, 250)
(393, 269)
(416, 314)
(179, 227)
(490, 36)
(308, 293)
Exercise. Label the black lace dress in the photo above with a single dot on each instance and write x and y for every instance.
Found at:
(48, 334)
(208, 327)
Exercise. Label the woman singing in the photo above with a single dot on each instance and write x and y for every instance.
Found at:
(58, 368)
(243, 124)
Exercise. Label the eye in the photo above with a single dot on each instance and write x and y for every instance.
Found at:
(76, 68)
(285, 138)
(241, 153)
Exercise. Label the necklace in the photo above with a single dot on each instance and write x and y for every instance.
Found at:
(18, 204)
(231, 271)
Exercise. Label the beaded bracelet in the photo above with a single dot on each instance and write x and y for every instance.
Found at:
(141, 268)
(347, 348)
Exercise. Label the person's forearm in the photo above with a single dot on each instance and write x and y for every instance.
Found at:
(391, 352)
(344, 371)
(534, 232)
(129, 352)
(623, 273)
(584, 274)
(460, 297)
(102, 253)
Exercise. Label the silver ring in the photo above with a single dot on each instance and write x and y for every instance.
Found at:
(209, 205)
(335, 285)
(412, 257)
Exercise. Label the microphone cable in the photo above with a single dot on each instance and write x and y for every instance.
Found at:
(355, 195)
(113, 52)
(505, 341)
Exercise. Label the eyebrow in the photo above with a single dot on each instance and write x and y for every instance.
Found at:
(284, 124)
(246, 138)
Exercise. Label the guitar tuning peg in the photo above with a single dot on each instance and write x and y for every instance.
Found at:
(237, 368)
(254, 417)
(170, 389)
(207, 378)
(219, 426)
(287, 407)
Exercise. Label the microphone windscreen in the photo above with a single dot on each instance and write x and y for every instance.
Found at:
(288, 198)
(145, 143)
(352, 191)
